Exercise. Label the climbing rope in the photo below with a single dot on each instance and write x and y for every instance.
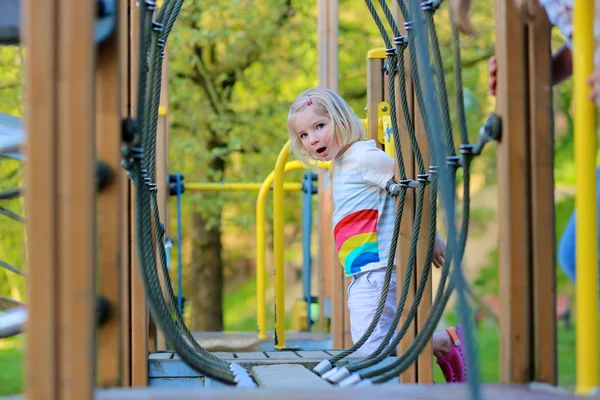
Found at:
(139, 159)
(435, 113)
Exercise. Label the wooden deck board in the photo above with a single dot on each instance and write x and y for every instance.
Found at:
(408, 391)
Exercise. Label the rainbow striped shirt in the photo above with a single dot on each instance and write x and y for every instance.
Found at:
(363, 216)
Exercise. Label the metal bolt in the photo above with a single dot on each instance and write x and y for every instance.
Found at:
(383, 108)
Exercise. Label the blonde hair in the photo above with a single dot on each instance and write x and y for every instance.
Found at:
(347, 128)
(461, 9)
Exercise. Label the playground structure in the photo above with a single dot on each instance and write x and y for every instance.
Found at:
(76, 90)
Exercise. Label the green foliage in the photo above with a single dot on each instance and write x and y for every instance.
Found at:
(12, 233)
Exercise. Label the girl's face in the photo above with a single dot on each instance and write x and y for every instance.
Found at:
(315, 132)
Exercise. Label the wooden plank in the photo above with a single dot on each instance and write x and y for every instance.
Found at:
(425, 360)
(312, 354)
(76, 199)
(170, 369)
(281, 354)
(542, 199)
(109, 217)
(223, 355)
(160, 356)
(176, 383)
(459, 391)
(255, 355)
(513, 199)
(125, 281)
(290, 376)
(410, 375)
(40, 34)
(139, 310)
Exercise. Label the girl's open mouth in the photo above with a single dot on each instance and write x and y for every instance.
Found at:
(321, 150)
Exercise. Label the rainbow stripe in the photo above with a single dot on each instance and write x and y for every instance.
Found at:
(356, 240)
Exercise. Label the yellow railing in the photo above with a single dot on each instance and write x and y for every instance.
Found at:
(241, 186)
(585, 200)
(275, 178)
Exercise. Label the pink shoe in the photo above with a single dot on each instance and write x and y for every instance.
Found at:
(453, 364)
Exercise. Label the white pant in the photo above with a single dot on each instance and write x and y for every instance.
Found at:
(363, 297)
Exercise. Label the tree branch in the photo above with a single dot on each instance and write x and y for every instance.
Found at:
(9, 86)
(474, 61)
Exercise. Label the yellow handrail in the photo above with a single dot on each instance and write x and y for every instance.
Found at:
(231, 186)
(261, 285)
(585, 199)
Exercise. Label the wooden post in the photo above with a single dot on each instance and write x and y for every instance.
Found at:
(406, 227)
(139, 310)
(541, 145)
(162, 175)
(425, 361)
(513, 197)
(109, 216)
(125, 236)
(60, 195)
(329, 262)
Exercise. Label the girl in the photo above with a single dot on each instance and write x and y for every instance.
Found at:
(323, 127)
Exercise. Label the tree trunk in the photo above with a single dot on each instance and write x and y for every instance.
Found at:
(206, 280)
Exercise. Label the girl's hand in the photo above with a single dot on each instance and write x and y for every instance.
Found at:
(439, 251)
(594, 82)
(493, 73)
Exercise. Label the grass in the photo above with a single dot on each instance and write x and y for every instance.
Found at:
(11, 366)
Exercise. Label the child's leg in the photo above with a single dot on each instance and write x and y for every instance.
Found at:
(363, 297)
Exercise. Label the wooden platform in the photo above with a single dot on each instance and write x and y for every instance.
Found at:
(168, 370)
(287, 374)
(247, 341)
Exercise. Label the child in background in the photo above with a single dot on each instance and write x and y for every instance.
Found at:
(560, 14)
(323, 127)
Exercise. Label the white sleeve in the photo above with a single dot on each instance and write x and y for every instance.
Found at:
(376, 167)
(560, 14)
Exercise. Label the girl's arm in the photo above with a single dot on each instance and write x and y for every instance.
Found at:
(562, 65)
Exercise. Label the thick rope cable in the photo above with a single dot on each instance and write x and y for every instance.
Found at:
(448, 202)
(10, 194)
(9, 267)
(386, 284)
(456, 66)
(156, 55)
(137, 164)
(156, 302)
(169, 12)
(415, 349)
(397, 222)
(11, 214)
(419, 209)
(441, 80)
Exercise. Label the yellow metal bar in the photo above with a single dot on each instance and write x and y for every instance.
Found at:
(278, 247)
(261, 264)
(231, 186)
(585, 199)
(376, 53)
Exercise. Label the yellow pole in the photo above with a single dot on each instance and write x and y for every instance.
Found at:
(585, 200)
(278, 247)
(261, 269)
(237, 186)
(281, 166)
